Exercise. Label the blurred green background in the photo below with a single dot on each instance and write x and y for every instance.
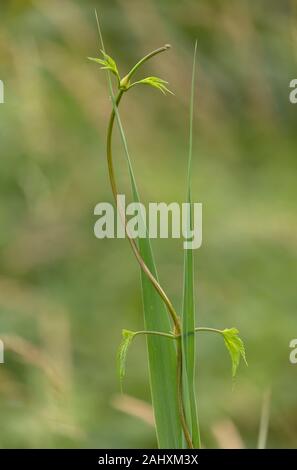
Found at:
(65, 296)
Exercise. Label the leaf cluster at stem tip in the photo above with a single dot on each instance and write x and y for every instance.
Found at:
(109, 64)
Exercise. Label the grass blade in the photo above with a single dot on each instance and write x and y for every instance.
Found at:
(188, 317)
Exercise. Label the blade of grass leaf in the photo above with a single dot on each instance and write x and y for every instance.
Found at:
(162, 355)
(188, 316)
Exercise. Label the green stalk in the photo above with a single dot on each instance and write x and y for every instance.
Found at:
(115, 192)
(161, 377)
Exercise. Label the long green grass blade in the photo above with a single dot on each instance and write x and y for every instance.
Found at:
(188, 317)
(161, 353)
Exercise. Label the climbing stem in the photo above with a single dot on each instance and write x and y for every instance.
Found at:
(181, 409)
(144, 267)
(176, 336)
(124, 86)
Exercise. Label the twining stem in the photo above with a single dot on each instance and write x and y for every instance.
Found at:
(134, 247)
(173, 315)
(181, 408)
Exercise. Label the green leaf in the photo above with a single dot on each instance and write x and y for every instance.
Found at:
(188, 315)
(107, 63)
(127, 337)
(156, 83)
(235, 347)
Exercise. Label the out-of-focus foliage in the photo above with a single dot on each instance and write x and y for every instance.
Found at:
(62, 306)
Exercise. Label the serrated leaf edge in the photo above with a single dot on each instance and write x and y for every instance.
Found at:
(235, 347)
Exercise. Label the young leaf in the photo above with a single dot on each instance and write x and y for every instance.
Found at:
(156, 83)
(235, 347)
(127, 337)
(107, 63)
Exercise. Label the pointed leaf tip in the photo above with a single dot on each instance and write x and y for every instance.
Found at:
(155, 82)
(127, 337)
(107, 63)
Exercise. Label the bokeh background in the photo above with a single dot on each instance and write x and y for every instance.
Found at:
(65, 296)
